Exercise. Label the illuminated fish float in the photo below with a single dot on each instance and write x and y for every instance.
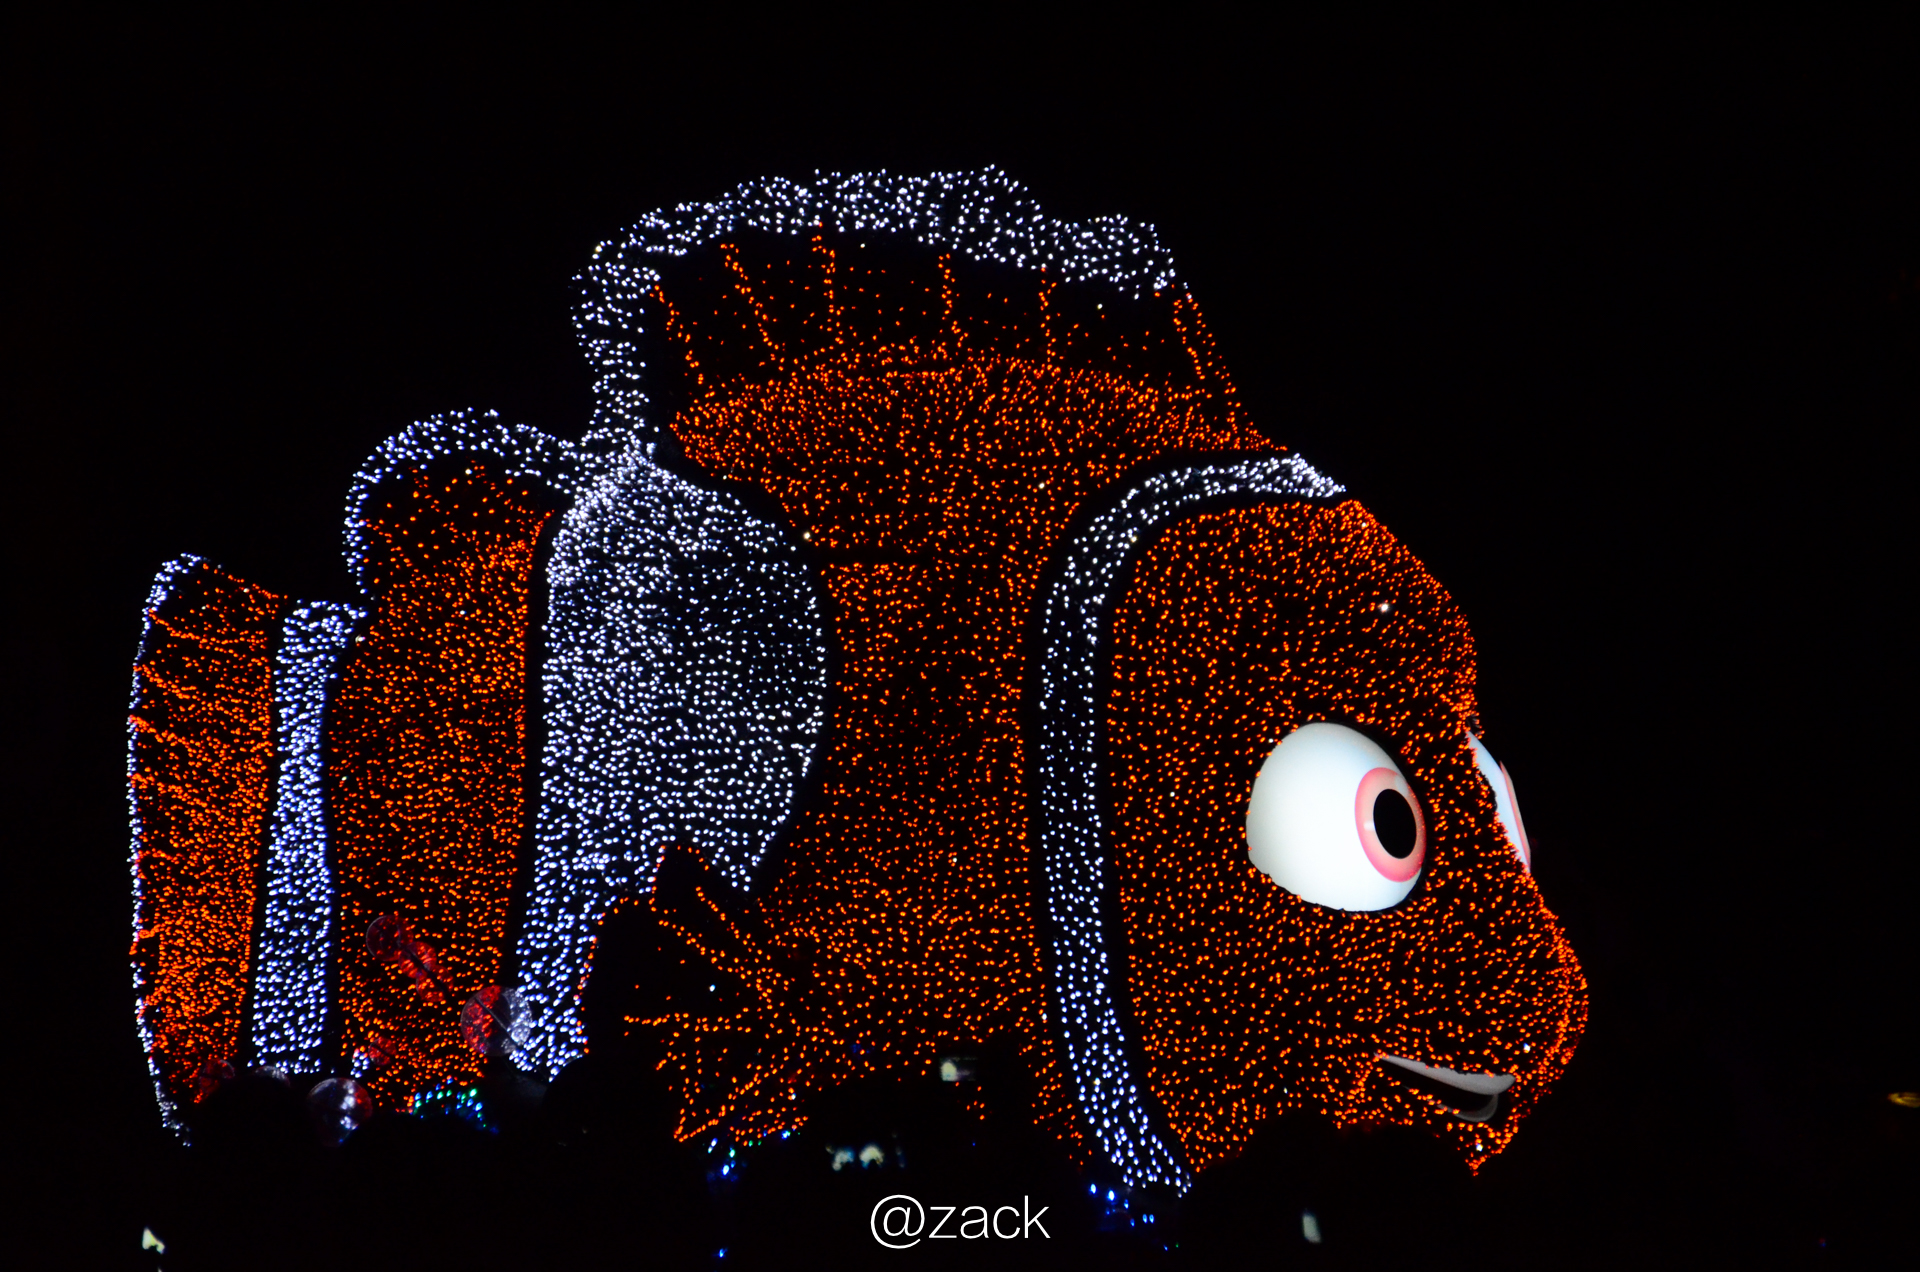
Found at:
(925, 634)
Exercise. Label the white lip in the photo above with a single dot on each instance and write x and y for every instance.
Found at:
(1491, 1085)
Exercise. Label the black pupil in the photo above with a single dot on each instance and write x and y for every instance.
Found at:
(1393, 822)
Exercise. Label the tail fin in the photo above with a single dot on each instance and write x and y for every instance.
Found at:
(200, 775)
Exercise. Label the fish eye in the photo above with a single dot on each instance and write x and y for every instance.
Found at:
(1333, 821)
(1506, 807)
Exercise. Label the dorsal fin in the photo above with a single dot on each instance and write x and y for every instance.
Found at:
(760, 306)
(778, 275)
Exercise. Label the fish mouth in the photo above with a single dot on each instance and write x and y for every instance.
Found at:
(1471, 1097)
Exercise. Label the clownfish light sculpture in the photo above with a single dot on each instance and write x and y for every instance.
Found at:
(925, 635)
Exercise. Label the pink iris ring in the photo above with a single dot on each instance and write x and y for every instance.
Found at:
(1398, 869)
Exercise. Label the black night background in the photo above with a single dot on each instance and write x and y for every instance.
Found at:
(1617, 330)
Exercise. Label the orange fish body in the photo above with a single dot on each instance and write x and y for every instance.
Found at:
(957, 663)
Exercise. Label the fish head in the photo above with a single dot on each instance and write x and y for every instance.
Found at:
(1323, 895)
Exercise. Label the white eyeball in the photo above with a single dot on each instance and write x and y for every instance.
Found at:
(1505, 805)
(1333, 821)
